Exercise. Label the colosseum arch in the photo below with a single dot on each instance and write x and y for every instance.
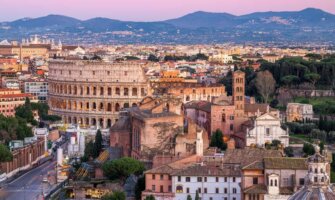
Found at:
(94, 106)
(126, 105)
(117, 91)
(101, 106)
(109, 107)
(117, 107)
(134, 91)
(109, 91)
(125, 91)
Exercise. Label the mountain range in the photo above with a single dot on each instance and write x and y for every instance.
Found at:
(308, 25)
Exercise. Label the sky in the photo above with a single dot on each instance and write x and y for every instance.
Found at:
(148, 10)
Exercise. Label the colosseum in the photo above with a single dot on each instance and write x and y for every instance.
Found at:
(92, 93)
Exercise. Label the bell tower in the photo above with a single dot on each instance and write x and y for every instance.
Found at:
(238, 92)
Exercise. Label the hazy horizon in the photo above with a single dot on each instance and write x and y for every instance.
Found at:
(149, 10)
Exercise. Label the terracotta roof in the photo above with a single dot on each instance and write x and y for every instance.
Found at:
(256, 189)
(209, 170)
(15, 95)
(285, 163)
(255, 165)
(248, 155)
(199, 105)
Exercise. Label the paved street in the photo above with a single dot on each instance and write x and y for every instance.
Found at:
(30, 185)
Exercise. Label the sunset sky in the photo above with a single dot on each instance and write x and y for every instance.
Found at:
(148, 10)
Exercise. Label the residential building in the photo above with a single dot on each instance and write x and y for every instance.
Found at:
(12, 98)
(210, 181)
(37, 87)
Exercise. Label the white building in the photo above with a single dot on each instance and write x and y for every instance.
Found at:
(299, 112)
(212, 182)
(222, 58)
(266, 128)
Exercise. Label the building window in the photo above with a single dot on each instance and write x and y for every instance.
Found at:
(315, 179)
(161, 189)
(231, 127)
(205, 179)
(234, 191)
(199, 179)
(93, 72)
(322, 179)
(117, 91)
(216, 190)
(188, 179)
(179, 189)
(225, 179)
(153, 187)
(316, 170)
(187, 190)
(302, 181)
(225, 190)
(255, 180)
(179, 178)
(267, 131)
(199, 190)
(217, 179)
(142, 92)
(125, 91)
(134, 92)
(234, 179)
(205, 190)
(170, 178)
(153, 177)
(109, 91)
(170, 188)
(161, 176)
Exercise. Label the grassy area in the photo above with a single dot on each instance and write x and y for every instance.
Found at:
(299, 139)
(321, 105)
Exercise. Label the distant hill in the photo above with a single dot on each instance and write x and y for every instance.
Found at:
(308, 25)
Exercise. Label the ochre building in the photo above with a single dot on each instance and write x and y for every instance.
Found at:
(92, 93)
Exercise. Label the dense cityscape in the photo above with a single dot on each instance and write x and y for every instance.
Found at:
(150, 115)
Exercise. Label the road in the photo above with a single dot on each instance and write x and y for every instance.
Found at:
(30, 185)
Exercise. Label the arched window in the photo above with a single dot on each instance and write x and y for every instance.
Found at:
(101, 90)
(134, 105)
(187, 98)
(87, 105)
(94, 91)
(117, 91)
(179, 189)
(109, 123)
(276, 184)
(94, 106)
(134, 92)
(125, 91)
(117, 107)
(88, 90)
(109, 107)
(271, 182)
(101, 107)
(109, 91)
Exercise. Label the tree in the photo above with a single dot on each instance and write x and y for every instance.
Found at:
(275, 143)
(197, 195)
(312, 77)
(5, 154)
(122, 168)
(308, 149)
(217, 140)
(25, 112)
(98, 143)
(322, 146)
(289, 151)
(140, 186)
(89, 151)
(265, 84)
(150, 197)
(116, 195)
(153, 58)
(289, 80)
(189, 197)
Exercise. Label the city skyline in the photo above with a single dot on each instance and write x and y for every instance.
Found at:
(149, 10)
